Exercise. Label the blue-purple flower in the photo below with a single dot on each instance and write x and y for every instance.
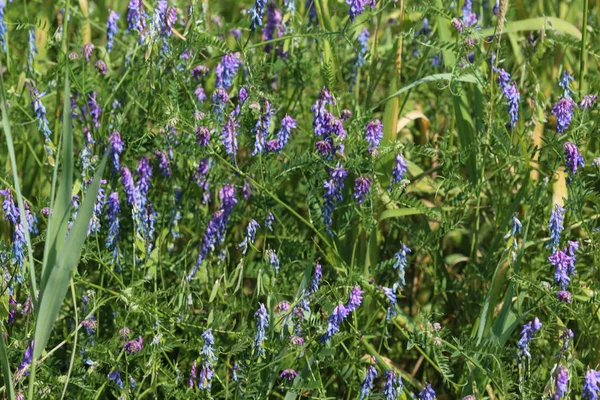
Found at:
(590, 385)
(469, 18)
(256, 13)
(556, 226)
(261, 129)
(115, 376)
(136, 18)
(163, 163)
(144, 173)
(427, 393)
(588, 101)
(563, 111)
(390, 293)
(226, 70)
(274, 27)
(562, 383)
(111, 29)
(288, 374)
(269, 221)
(112, 215)
(338, 315)
(42, 120)
(229, 136)
(362, 186)
(32, 49)
(202, 136)
(573, 159)
(95, 110)
(333, 194)
(511, 94)
(219, 99)
(250, 235)
(367, 384)
(400, 168)
(129, 188)
(393, 385)
(208, 360)
(357, 7)
(262, 323)
(400, 263)
(134, 346)
(273, 259)
(355, 298)
(527, 332)
(3, 27)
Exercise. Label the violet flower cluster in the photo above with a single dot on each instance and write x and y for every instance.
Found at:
(42, 120)
(250, 235)
(208, 360)
(226, 70)
(262, 323)
(400, 168)
(367, 384)
(112, 28)
(511, 94)
(527, 332)
(357, 7)
(333, 194)
(563, 110)
(341, 312)
(261, 129)
(573, 159)
(327, 127)
(283, 135)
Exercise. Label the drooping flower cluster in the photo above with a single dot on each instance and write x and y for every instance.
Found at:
(400, 263)
(333, 194)
(226, 70)
(564, 263)
(341, 312)
(588, 101)
(362, 187)
(134, 346)
(115, 377)
(393, 385)
(136, 18)
(261, 129)
(111, 29)
(562, 383)
(229, 136)
(573, 159)
(94, 108)
(367, 384)
(469, 18)
(274, 28)
(374, 134)
(556, 226)
(273, 259)
(590, 385)
(527, 332)
(42, 120)
(510, 93)
(112, 215)
(219, 99)
(283, 135)
(13, 215)
(262, 323)
(288, 375)
(357, 7)
(208, 360)
(400, 168)
(3, 27)
(563, 111)
(217, 225)
(116, 148)
(427, 393)
(390, 293)
(327, 127)
(250, 235)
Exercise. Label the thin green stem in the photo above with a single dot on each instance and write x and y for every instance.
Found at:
(583, 59)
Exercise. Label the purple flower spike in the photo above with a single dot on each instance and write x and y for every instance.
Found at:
(111, 29)
(563, 111)
(374, 134)
(526, 335)
(367, 384)
(427, 393)
(355, 299)
(226, 70)
(590, 385)
(573, 159)
(133, 346)
(288, 374)
(361, 189)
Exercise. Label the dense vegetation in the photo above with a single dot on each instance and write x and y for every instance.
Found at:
(300, 199)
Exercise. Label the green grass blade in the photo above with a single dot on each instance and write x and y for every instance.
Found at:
(537, 24)
(6, 374)
(68, 258)
(13, 163)
(466, 133)
(59, 220)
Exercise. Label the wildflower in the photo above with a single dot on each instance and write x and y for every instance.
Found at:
(219, 98)
(136, 18)
(562, 383)
(458, 25)
(367, 384)
(94, 225)
(526, 335)
(283, 135)
(199, 71)
(200, 95)
(515, 227)
(555, 226)
(95, 110)
(269, 221)
(133, 346)
(262, 323)
(573, 159)
(400, 264)
(359, 61)
(256, 13)
(338, 315)
(111, 29)
(229, 136)
(314, 284)
(237, 33)
(124, 333)
(250, 235)
(208, 360)
(87, 50)
(374, 134)
(193, 374)
(226, 70)
(288, 374)
(129, 188)
(202, 136)
(361, 189)
(469, 18)
(163, 163)
(3, 27)
(427, 393)
(100, 66)
(167, 16)
(274, 27)
(564, 297)
(273, 260)
(319, 111)
(115, 376)
(398, 171)
(144, 173)
(261, 129)
(511, 94)
(390, 293)
(42, 120)
(247, 189)
(27, 358)
(32, 48)
(393, 385)
(333, 194)
(590, 385)
(565, 82)
(562, 262)
(355, 298)
(588, 101)
(357, 7)
(563, 110)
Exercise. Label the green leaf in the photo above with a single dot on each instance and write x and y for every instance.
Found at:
(68, 258)
(59, 220)
(6, 374)
(537, 24)
(466, 133)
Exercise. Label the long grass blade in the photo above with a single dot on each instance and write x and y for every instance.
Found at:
(6, 374)
(59, 220)
(68, 258)
(537, 24)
